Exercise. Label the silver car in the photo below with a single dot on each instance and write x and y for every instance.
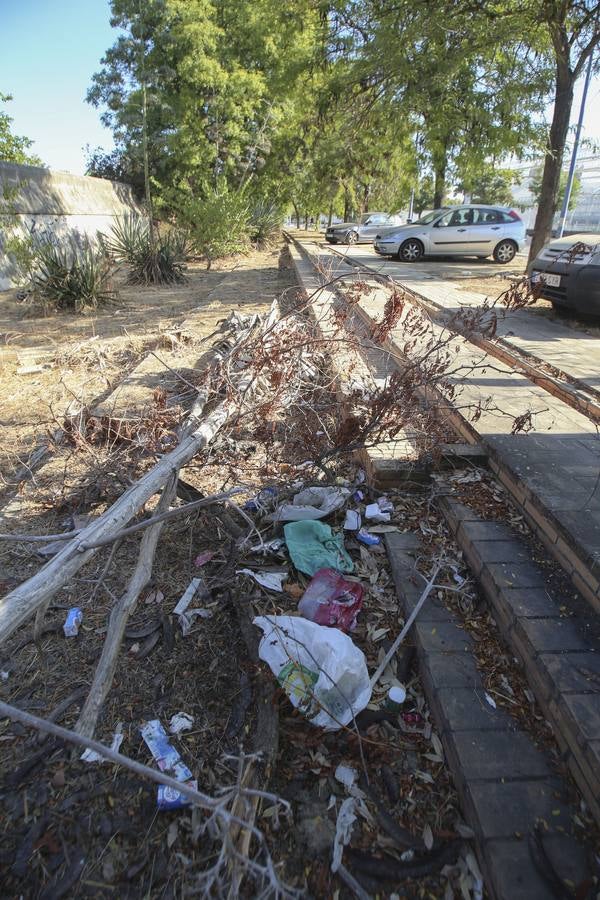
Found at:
(473, 230)
(364, 230)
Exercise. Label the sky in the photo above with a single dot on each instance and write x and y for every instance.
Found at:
(49, 50)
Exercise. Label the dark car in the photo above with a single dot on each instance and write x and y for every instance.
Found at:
(363, 231)
(567, 273)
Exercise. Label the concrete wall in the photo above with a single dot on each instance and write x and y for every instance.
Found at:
(55, 204)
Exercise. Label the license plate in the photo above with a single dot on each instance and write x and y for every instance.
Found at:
(547, 278)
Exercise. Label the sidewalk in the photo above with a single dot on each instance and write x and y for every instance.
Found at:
(552, 471)
(573, 352)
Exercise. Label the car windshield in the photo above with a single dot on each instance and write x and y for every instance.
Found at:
(429, 218)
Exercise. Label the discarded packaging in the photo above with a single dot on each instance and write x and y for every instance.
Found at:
(323, 673)
(358, 495)
(352, 521)
(263, 501)
(186, 619)
(395, 698)
(346, 775)
(313, 546)
(312, 503)
(272, 581)
(181, 721)
(189, 594)
(269, 546)
(92, 756)
(376, 514)
(72, 622)
(168, 760)
(368, 539)
(330, 599)
(343, 831)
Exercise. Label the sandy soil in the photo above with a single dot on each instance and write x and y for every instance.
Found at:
(49, 364)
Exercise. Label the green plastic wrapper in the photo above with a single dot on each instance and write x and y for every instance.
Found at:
(313, 545)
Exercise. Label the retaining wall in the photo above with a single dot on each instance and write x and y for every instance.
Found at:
(56, 204)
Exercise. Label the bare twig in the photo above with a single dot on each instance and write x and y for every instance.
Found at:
(119, 617)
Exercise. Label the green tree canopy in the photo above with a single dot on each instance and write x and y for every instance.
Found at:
(14, 148)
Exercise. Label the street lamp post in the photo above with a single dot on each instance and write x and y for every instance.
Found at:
(569, 187)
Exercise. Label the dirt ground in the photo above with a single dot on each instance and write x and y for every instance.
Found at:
(51, 364)
(75, 829)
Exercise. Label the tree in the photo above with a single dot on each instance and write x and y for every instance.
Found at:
(535, 186)
(573, 29)
(13, 148)
(470, 90)
(492, 185)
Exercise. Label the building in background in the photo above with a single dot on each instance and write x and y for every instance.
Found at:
(586, 214)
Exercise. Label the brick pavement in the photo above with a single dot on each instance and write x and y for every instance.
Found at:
(560, 655)
(552, 471)
(507, 784)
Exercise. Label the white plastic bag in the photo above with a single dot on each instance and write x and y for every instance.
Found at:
(312, 503)
(323, 673)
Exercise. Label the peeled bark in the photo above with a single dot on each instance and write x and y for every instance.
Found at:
(548, 200)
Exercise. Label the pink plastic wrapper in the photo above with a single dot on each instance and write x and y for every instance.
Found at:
(330, 599)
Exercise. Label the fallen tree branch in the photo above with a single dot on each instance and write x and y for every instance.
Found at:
(105, 670)
(21, 603)
(261, 870)
(407, 625)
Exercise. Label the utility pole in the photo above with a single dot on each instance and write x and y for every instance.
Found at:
(569, 187)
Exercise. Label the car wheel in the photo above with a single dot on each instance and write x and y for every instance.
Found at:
(352, 237)
(411, 250)
(505, 251)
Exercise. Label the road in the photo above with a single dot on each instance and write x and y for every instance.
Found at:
(446, 267)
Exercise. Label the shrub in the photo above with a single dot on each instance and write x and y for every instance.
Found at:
(70, 276)
(265, 223)
(218, 225)
(153, 257)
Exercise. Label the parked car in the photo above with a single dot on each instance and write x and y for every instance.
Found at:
(567, 273)
(473, 230)
(363, 231)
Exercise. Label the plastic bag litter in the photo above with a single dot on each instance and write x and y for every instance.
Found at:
(313, 546)
(343, 831)
(330, 599)
(323, 673)
(312, 503)
(272, 581)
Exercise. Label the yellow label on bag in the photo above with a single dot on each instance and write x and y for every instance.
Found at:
(298, 682)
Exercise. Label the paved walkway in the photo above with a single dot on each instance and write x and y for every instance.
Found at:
(571, 351)
(553, 470)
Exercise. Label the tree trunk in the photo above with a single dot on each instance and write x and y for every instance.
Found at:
(439, 190)
(330, 218)
(563, 101)
(296, 214)
(346, 206)
(366, 196)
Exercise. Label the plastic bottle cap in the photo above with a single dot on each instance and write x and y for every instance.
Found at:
(397, 695)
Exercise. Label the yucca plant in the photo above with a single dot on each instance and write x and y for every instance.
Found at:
(153, 257)
(265, 223)
(71, 276)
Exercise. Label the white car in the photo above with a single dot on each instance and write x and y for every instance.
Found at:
(473, 230)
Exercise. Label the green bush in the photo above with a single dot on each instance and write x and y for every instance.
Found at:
(71, 277)
(153, 257)
(218, 224)
(265, 223)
